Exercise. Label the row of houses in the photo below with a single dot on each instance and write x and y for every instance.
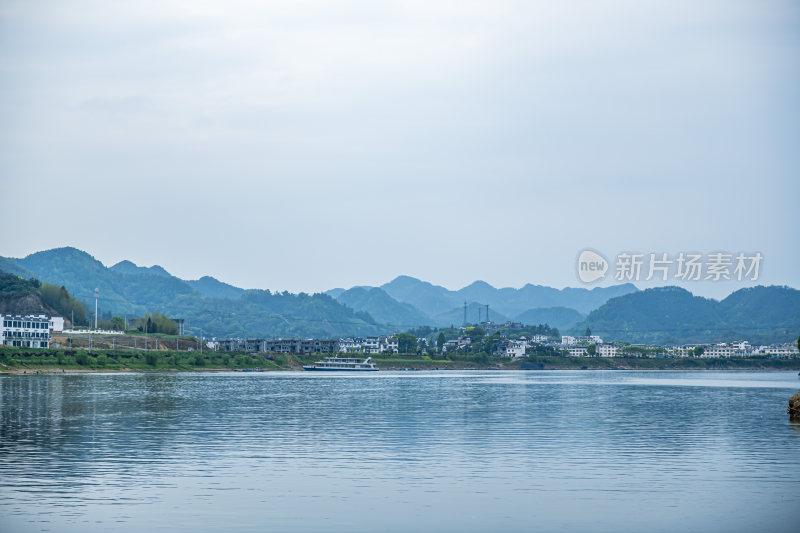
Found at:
(734, 349)
(367, 345)
(722, 349)
(34, 331)
(594, 346)
(589, 346)
(573, 347)
(29, 331)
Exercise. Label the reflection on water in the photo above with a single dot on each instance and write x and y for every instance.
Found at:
(415, 451)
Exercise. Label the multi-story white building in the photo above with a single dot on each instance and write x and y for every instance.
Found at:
(606, 350)
(380, 344)
(516, 348)
(391, 344)
(778, 350)
(29, 331)
(568, 340)
(349, 346)
(719, 350)
(576, 350)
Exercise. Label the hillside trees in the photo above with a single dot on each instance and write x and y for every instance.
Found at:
(156, 322)
(59, 299)
(406, 343)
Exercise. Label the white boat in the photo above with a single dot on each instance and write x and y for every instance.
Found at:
(343, 364)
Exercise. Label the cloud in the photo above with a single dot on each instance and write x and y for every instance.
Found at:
(511, 122)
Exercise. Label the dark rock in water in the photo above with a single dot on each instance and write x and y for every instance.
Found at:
(794, 407)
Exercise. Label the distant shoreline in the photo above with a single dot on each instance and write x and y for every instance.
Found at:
(627, 366)
(22, 361)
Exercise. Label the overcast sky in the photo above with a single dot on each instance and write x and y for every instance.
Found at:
(304, 144)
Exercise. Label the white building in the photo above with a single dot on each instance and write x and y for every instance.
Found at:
(391, 345)
(450, 345)
(349, 346)
(577, 350)
(606, 350)
(57, 324)
(516, 348)
(742, 347)
(568, 340)
(778, 350)
(719, 350)
(380, 344)
(29, 331)
(541, 339)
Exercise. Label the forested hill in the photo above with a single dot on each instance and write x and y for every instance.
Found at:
(670, 314)
(674, 315)
(215, 308)
(22, 296)
(221, 309)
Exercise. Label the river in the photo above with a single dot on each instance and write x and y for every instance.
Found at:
(448, 451)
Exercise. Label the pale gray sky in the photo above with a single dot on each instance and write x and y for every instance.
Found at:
(304, 145)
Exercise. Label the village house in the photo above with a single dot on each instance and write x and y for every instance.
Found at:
(29, 331)
(606, 350)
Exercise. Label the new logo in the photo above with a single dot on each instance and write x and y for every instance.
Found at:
(591, 266)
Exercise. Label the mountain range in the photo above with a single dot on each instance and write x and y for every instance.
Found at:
(408, 301)
(220, 309)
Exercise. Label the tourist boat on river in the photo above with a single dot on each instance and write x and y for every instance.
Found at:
(344, 363)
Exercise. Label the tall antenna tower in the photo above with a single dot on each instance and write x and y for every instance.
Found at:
(96, 294)
(487, 312)
(479, 314)
(465, 312)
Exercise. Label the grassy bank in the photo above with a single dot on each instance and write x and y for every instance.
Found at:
(18, 360)
(26, 359)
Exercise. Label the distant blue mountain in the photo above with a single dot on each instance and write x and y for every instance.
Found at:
(383, 307)
(127, 267)
(434, 299)
(213, 288)
(475, 311)
(562, 318)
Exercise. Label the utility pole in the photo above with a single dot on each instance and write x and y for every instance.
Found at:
(96, 294)
(145, 336)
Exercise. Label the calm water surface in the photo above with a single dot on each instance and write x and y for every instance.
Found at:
(400, 451)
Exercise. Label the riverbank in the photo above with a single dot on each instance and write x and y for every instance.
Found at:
(30, 361)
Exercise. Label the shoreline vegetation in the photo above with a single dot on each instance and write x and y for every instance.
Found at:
(66, 360)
